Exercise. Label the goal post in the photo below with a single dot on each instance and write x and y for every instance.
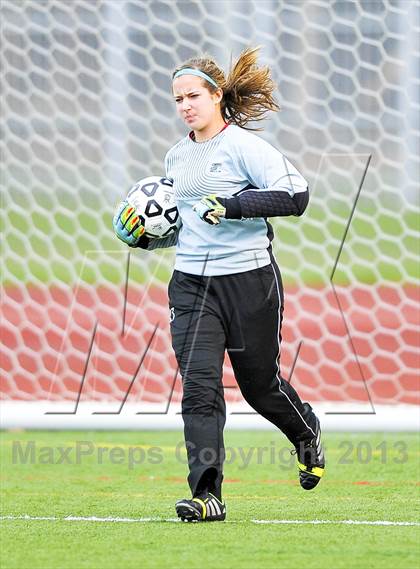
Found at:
(87, 110)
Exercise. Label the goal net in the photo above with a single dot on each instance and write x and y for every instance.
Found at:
(87, 110)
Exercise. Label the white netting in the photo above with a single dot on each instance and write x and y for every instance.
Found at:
(87, 109)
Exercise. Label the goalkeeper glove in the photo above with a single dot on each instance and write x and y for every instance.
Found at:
(127, 224)
(210, 209)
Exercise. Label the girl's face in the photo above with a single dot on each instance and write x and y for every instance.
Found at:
(197, 107)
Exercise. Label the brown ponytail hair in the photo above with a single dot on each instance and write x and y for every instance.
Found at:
(247, 90)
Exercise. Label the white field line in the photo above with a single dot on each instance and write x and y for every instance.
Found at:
(144, 520)
(345, 522)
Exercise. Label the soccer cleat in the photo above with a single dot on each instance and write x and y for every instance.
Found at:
(205, 509)
(311, 461)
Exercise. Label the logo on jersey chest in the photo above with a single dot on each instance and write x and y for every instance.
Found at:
(215, 167)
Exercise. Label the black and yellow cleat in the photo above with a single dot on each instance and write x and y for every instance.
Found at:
(207, 508)
(309, 476)
(311, 460)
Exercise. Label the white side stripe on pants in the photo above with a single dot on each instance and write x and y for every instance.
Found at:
(278, 356)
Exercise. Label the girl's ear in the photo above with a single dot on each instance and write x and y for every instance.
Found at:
(218, 95)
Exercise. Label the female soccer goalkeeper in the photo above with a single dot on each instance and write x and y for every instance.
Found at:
(226, 291)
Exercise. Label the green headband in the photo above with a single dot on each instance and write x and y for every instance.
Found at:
(197, 72)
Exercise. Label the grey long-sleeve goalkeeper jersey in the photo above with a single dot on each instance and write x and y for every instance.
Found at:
(233, 164)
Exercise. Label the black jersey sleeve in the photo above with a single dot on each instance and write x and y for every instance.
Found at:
(163, 243)
(260, 203)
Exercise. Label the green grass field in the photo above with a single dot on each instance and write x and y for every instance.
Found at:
(369, 477)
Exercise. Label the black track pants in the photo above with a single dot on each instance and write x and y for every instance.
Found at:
(241, 313)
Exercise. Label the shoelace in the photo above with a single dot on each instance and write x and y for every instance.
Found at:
(308, 446)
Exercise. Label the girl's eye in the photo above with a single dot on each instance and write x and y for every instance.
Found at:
(191, 97)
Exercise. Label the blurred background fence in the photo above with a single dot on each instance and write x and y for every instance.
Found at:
(87, 110)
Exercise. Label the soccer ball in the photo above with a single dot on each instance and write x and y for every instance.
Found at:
(154, 201)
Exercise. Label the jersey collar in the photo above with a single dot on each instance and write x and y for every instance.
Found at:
(192, 135)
